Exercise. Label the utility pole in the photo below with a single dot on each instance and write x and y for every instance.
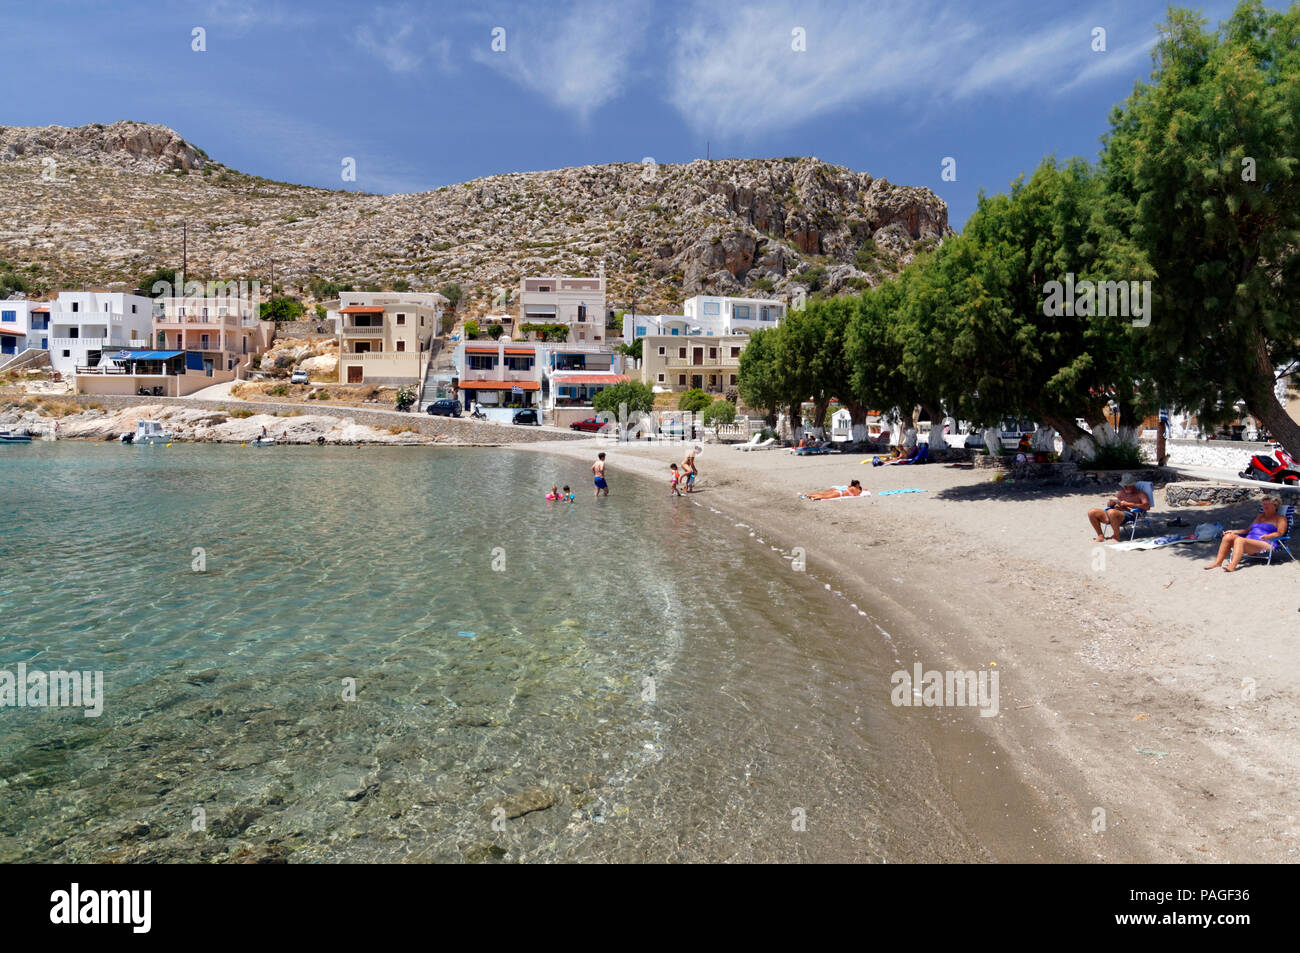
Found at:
(185, 251)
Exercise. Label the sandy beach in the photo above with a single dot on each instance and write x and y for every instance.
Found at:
(1146, 705)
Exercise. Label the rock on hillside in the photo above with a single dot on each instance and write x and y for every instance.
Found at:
(135, 146)
(770, 227)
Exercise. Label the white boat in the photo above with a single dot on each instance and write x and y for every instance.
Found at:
(148, 431)
(262, 442)
(13, 436)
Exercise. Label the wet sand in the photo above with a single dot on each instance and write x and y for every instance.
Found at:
(1147, 707)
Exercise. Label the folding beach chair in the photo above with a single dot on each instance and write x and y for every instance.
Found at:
(922, 456)
(1283, 541)
(1138, 518)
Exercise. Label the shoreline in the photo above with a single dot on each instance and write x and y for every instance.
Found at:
(1102, 718)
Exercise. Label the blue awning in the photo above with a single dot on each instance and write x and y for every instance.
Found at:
(145, 355)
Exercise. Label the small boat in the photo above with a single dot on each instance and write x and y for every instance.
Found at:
(262, 442)
(148, 431)
(13, 436)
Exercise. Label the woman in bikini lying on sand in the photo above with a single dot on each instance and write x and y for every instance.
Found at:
(835, 492)
(1261, 536)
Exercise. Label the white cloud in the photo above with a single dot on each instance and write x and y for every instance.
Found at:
(578, 61)
(735, 74)
(401, 39)
(391, 47)
(239, 16)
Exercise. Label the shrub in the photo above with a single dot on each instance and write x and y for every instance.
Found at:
(694, 400)
(279, 390)
(453, 293)
(1116, 456)
(241, 414)
(865, 256)
(283, 361)
(762, 284)
(471, 328)
(721, 411)
(495, 331)
(637, 396)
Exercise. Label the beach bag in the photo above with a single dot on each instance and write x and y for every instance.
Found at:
(1208, 531)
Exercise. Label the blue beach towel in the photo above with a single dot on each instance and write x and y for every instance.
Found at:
(912, 489)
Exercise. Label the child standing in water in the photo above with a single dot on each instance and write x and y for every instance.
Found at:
(673, 488)
(568, 494)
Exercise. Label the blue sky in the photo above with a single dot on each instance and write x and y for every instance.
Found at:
(416, 94)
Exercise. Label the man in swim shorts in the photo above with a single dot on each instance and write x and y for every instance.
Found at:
(598, 470)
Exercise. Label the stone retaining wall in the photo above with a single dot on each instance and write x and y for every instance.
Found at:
(459, 430)
(1226, 454)
(304, 329)
(1226, 494)
(1069, 474)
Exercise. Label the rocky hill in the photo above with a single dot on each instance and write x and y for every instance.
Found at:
(108, 209)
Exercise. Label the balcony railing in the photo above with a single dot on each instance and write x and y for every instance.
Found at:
(87, 342)
(374, 357)
(226, 320)
(497, 374)
(710, 362)
(350, 331)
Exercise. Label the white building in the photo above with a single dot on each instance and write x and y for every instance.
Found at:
(710, 316)
(23, 325)
(577, 302)
(82, 324)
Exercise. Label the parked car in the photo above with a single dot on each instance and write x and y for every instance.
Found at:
(298, 377)
(1010, 433)
(526, 416)
(590, 425)
(445, 407)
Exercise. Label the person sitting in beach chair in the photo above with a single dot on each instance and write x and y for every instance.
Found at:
(920, 455)
(853, 489)
(1270, 530)
(1128, 505)
(899, 454)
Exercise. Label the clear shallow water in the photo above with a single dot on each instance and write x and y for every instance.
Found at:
(644, 680)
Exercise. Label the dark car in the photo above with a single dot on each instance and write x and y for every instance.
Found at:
(445, 407)
(590, 425)
(528, 416)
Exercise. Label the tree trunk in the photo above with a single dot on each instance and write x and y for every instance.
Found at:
(858, 419)
(796, 420)
(1070, 431)
(819, 413)
(1269, 410)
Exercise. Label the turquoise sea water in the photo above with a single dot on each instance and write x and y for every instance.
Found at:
(633, 678)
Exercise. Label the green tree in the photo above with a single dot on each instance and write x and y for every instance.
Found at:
(758, 379)
(453, 293)
(282, 309)
(638, 398)
(721, 411)
(979, 330)
(1208, 154)
(693, 400)
(632, 350)
(146, 283)
(471, 328)
(495, 331)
